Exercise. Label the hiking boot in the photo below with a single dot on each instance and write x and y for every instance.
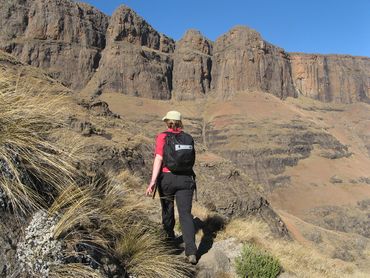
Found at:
(170, 235)
(192, 259)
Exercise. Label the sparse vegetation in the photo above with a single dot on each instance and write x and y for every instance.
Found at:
(254, 262)
(336, 179)
(350, 219)
(314, 236)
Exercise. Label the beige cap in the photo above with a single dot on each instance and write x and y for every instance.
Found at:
(172, 115)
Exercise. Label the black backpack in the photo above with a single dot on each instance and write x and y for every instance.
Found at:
(179, 152)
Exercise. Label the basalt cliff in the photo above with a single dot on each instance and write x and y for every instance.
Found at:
(94, 53)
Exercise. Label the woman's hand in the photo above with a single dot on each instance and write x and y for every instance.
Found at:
(157, 164)
(150, 188)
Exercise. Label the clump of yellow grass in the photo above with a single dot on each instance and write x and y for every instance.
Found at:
(74, 270)
(33, 168)
(109, 218)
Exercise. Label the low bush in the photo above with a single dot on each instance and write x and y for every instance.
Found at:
(256, 263)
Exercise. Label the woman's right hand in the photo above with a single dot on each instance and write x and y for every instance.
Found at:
(150, 188)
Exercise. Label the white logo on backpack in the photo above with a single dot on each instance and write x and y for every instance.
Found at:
(183, 147)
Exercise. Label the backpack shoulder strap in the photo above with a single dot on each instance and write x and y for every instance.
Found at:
(188, 134)
(172, 133)
(168, 133)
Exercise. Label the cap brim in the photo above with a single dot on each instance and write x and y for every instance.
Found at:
(164, 118)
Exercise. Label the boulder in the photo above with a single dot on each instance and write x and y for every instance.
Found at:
(219, 261)
(226, 191)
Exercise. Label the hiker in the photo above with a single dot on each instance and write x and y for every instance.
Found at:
(175, 150)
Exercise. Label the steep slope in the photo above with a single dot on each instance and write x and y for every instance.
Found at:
(275, 142)
(332, 193)
(308, 158)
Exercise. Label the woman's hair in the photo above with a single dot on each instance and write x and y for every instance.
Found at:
(174, 124)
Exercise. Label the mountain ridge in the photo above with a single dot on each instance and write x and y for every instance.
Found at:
(159, 71)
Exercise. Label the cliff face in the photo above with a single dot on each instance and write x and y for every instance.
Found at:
(192, 66)
(243, 61)
(136, 59)
(89, 51)
(337, 78)
(63, 37)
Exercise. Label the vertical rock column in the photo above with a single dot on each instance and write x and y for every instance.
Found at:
(192, 66)
(242, 61)
(136, 60)
(337, 78)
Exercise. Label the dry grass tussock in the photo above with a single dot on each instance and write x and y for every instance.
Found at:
(106, 218)
(31, 166)
(125, 179)
(73, 271)
(145, 255)
(304, 261)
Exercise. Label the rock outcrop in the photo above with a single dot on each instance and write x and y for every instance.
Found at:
(332, 78)
(243, 61)
(136, 60)
(220, 259)
(192, 66)
(224, 189)
(63, 37)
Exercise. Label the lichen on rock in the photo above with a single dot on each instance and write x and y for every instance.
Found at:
(39, 250)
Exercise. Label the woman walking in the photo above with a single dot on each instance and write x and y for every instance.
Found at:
(173, 175)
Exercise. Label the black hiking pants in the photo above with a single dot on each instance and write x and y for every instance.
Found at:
(181, 188)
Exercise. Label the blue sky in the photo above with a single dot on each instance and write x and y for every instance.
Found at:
(326, 26)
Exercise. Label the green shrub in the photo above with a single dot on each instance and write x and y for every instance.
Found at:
(256, 263)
